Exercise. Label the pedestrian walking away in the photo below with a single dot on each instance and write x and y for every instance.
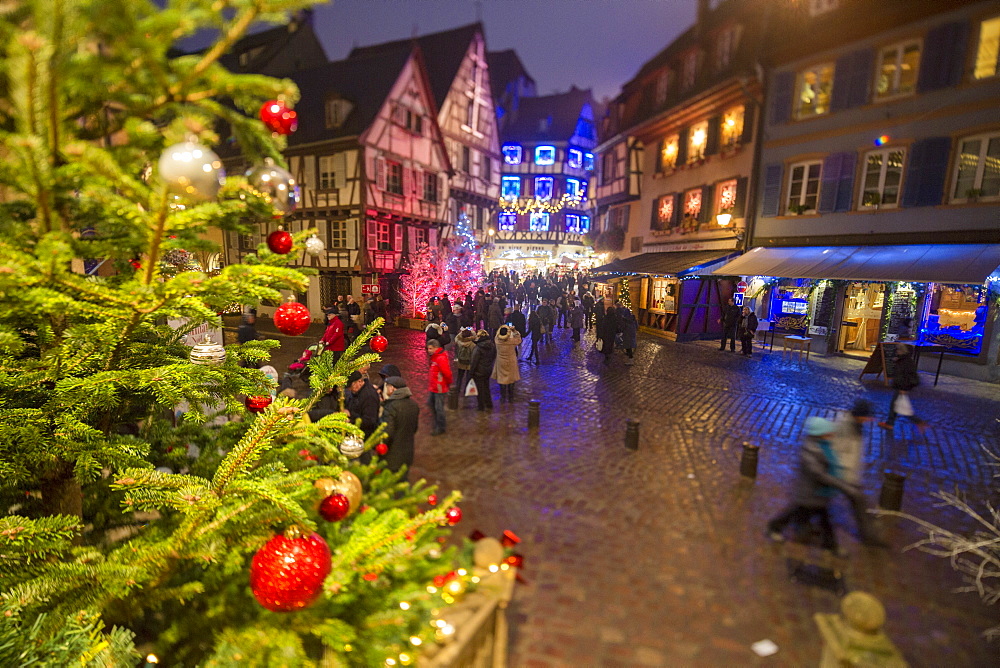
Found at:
(401, 417)
(848, 446)
(438, 382)
(576, 319)
(465, 345)
(481, 367)
(629, 329)
(904, 380)
(607, 330)
(506, 371)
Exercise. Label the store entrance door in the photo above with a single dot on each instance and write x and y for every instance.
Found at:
(859, 328)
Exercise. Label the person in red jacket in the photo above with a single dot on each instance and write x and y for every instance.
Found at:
(438, 383)
(333, 338)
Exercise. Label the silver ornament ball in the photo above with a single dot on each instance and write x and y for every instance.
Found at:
(277, 184)
(192, 171)
(315, 246)
(352, 447)
(208, 353)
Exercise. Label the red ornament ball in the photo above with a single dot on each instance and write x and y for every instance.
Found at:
(432, 499)
(279, 118)
(379, 343)
(292, 318)
(258, 404)
(287, 573)
(453, 515)
(381, 449)
(335, 507)
(280, 242)
(439, 580)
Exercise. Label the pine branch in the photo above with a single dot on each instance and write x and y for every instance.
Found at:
(280, 415)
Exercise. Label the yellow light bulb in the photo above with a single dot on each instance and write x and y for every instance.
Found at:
(415, 641)
(404, 605)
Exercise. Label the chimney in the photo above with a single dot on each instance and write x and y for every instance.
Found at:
(704, 7)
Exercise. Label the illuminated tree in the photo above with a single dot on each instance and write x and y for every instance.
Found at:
(463, 263)
(422, 281)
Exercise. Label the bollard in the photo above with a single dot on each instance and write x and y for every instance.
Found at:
(533, 414)
(748, 462)
(891, 496)
(453, 398)
(855, 636)
(632, 434)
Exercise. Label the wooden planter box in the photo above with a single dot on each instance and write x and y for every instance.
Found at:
(411, 323)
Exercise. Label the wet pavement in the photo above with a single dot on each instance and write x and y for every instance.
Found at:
(657, 557)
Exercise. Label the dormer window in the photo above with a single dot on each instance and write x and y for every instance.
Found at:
(725, 47)
(574, 158)
(663, 81)
(545, 155)
(336, 111)
(511, 154)
(689, 69)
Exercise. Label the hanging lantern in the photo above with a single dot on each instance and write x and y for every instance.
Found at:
(192, 171)
(208, 353)
(276, 184)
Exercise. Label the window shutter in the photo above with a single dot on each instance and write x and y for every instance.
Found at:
(407, 182)
(372, 236)
(340, 170)
(659, 155)
(682, 147)
(352, 232)
(712, 140)
(398, 239)
(740, 205)
(771, 204)
(380, 173)
(654, 222)
(840, 97)
(782, 90)
(845, 185)
(748, 120)
(411, 240)
(707, 205)
(432, 236)
(862, 74)
(829, 182)
(943, 59)
(418, 183)
(441, 188)
(927, 172)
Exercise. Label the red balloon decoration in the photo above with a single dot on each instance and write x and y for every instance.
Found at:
(379, 343)
(279, 118)
(292, 318)
(287, 573)
(280, 242)
(453, 515)
(381, 449)
(258, 404)
(335, 507)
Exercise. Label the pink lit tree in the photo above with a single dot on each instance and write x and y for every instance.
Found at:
(422, 281)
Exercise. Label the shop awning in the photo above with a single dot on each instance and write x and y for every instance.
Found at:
(678, 263)
(939, 263)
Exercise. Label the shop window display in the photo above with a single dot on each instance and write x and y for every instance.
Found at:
(663, 295)
(955, 316)
(863, 305)
(789, 309)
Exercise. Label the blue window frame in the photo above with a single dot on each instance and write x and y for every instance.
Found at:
(510, 187)
(574, 158)
(543, 187)
(539, 222)
(545, 155)
(573, 188)
(588, 161)
(572, 223)
(511, 154)
(507, 221)
(584, 224)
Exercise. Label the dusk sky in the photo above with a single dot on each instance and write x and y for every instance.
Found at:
(598, 44)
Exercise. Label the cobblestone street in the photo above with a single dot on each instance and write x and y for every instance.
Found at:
(658, 557)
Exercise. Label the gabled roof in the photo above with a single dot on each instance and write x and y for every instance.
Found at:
(504, 67)
(365, 82)
(443, 53)
(560, 113)
(266, 46)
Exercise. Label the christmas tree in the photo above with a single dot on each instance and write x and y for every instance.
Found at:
(129, 527)
(464, 263)
(423, 280)
(625, 293)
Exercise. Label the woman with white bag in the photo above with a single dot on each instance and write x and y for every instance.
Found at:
(904, 379)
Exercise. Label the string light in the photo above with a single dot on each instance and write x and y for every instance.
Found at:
(534, 204)
(415, 641)
(404, 605)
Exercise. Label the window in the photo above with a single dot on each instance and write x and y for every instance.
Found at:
(689, 69)
(665, 212)
(817, 7)
(466, 160)
(584, 224)
(510, 187)
(383, 236)
(336, 111)
(692, 204)
(883, 173)
(507, 221)
(978, 172)
(327, 175)
(408, 119)
(731, 128)
(813, 88)
(572, 223)
(430, 187)
(394, 177)
(588, 161)
(422, 236)
(697, 141)
(609, 167)
(897, 69)
(573, 188)
(725, 46)
(336, 233)
(574, 158)
(668, 153)
(511, 154)
(803, 187)
(663, 81)
(988, 50)
(545, 155)
(470, 111)
(725, 196)
(486, 167)
(539, 222)
(543, 187)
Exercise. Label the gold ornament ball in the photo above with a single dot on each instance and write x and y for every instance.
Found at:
(487, 552)
(350, 486)
(192, 171)
(326, 486)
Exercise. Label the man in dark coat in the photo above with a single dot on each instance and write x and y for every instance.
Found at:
(481, 367)
(516, 320)
(904, 379)
(748, 330)
(247, 330)
(401, 417)
(607, 330)
(361, 402)
(730, 320)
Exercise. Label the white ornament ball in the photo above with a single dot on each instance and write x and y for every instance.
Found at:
(208, 353)
(315, 246)
(192, 171)
(277, 184)
(352, 447)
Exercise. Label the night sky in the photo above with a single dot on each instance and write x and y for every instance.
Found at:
(598, 44)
